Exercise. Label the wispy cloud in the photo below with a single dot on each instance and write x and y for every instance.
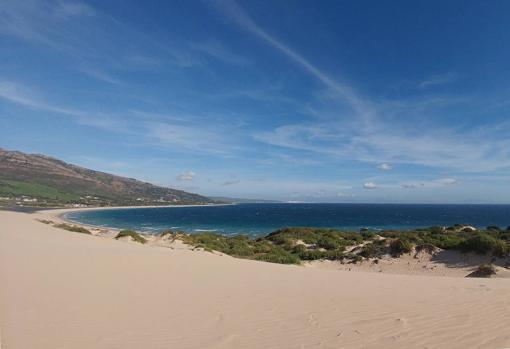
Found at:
(215, 49)
(20, 94)
(100, 75)
(435, 80)
(231, 182)
(236, 13)
(372, 133)
(95, 43)
(474, 150)
(443, 182)
(195, 137)
(182, 132)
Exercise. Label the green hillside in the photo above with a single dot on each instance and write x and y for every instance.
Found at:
(39, 180)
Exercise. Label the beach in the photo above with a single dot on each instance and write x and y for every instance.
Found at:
(67, 290)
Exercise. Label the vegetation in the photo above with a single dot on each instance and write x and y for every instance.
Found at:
(400, 246)
(483, 243)
(294, 245)
(279, 256)
(42, 181)
(73, 228)
(132, 234)
(45, 221)
(483, 271)
(374, 249)
(15, 188)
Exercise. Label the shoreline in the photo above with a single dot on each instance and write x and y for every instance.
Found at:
(59, 213)
(62, 289)
(439, 264)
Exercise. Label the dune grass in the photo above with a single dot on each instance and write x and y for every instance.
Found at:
(132, 234)
(483, 271)
(73, 228)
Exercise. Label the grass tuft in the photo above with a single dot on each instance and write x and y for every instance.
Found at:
(73, 228)
(483, 271)
(132, 234)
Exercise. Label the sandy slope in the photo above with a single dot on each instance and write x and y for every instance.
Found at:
(66, 290)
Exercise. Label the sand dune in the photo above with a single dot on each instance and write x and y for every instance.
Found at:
(67, 290)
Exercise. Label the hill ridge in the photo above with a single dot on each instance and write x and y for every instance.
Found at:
(43, 180)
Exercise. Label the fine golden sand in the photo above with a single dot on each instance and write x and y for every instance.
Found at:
(60, 289)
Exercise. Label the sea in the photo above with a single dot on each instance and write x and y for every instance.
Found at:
(260, 219)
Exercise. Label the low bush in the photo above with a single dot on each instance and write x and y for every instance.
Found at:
(374, 249)
(73, 228)
(428, 248)
(132, 234)
(279, 256)
(483, 271)
(291, 245)
(167, 233)
(483, 243)
(400, 246)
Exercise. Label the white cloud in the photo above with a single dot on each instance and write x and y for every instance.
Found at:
(385, 166)
(370, 185)
(186, 176)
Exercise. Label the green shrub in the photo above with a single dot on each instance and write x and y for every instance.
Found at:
(429, 248)
(283, 245)
(483, 243)
(335, 255)
(367, 234)
(132, 234)
(354, 258)
(328, 243)
(239, 246)
(374, 249)
(400, 246)
(73, 228)
(279, 256)
(167, 233)
(263, 247)
(310, 255)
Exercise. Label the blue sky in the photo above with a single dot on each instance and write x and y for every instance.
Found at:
(329, 101)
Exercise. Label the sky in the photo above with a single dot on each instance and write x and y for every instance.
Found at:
(306, 101)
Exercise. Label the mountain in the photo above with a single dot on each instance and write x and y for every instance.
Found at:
(40, 180)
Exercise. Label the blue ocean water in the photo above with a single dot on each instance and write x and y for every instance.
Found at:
(260, 219)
